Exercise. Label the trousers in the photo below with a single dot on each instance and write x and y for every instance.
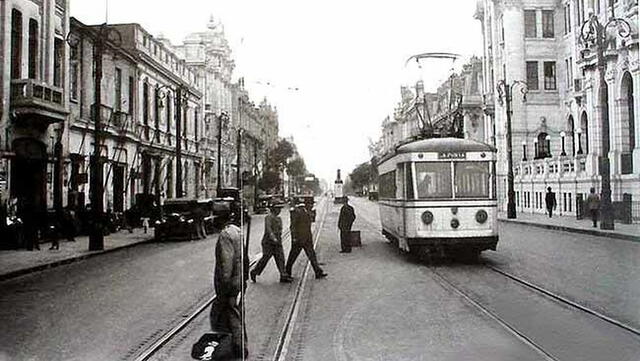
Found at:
(269, 250)
(345, 241)
(225, 316)
(307, 247)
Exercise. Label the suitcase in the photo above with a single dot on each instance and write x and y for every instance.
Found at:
(354, 237)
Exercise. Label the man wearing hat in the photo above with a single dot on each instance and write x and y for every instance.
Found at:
(302, 239)
(345, 221)
(272, 245)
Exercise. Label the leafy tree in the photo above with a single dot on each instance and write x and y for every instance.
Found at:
(283, 151)
(362, 176)
(296, 167)
(269, 181)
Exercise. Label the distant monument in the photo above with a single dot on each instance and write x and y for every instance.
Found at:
(338, 192)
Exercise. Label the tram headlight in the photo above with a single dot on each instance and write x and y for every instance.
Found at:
(481, 216)
(427, 217)
(455, 223)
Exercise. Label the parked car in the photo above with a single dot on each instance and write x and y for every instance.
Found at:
(184, 218)
(373, 195)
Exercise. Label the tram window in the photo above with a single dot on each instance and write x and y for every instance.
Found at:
(409, 181)
(472, 179)
(387, 185)
(433, 179)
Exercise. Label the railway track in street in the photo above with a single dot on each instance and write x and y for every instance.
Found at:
(158, 343)
(515, 330)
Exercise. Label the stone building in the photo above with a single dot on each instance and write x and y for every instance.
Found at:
(556, 133)
(146, 89)
(34, 103)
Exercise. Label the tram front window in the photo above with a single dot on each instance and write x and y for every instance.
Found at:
(472, 179)
(433, 180)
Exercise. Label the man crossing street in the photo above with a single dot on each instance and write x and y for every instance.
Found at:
(272, 245)
(302, 239)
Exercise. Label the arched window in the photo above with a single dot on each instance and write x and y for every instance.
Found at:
(627, 123)
(543, 147)
(571, 135)
(584, 129)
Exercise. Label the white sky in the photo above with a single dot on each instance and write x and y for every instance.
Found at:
(346, 57)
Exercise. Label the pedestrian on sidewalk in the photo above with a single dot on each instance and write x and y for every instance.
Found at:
(302, 239)
(229, 281)
(550, 201)
(345, 221)
(272, 245)
(593, 205)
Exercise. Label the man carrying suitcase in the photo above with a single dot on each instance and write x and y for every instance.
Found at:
(345, 221)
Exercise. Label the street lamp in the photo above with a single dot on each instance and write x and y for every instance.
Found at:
(506, 91)
(594, 33)
(562, 135)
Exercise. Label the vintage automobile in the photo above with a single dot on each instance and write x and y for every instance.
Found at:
(263, 203)
(373, 195)
(184, 218)
(236, 195)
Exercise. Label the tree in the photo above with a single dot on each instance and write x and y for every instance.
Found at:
(296, 167)
(269, 181)
(281, 153)
(363, 175)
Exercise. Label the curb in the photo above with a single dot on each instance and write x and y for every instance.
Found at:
(42, 267)
(622, 236)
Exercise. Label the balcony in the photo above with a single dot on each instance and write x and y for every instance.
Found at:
(37, 101)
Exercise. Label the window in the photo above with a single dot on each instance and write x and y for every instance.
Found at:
(472, 179)
(74, 71)
(567, 19)
(33, 49)
(550, 75)
(409, 181)
(543, 150)
(132, 91)
(168, 112)
(16, 44)
(532, 75)
(530, 24)
(117, 84)
(433, 180)
(570, 72)
(387, 185)
(547, 24)
(145, 103)
(58, 54)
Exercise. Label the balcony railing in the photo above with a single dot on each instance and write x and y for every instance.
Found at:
(31, 97)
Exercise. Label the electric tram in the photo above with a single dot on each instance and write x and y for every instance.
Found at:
(438, 196)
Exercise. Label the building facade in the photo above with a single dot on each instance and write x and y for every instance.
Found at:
(556, 133)
(34, 103)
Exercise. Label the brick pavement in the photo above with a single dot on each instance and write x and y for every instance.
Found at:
(630, 232)
(15, 263)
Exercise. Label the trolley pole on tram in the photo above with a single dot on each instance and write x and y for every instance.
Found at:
(506, 91)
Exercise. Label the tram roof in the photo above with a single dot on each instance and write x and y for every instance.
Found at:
(442, 145)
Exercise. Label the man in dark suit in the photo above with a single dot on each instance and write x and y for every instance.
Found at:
(272, 245)
(302, 239)
(345, 221)
(550, 201)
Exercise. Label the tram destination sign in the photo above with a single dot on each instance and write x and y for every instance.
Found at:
(452, 155)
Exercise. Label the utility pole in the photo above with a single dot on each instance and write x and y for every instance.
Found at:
(179, 100)
(506, 91)
(239, 159)
(221, 118)
(255, 173)
(96, 235)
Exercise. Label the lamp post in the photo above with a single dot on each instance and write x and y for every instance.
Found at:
(222, 118)
(505, 92)
(594, 33)
(562, 135)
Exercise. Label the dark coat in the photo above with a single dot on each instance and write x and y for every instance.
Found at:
(301, 227)
(550, 200)
(272, 230)
(227, 277)
(347, 217)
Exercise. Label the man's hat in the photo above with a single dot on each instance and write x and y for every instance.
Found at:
(277, 205)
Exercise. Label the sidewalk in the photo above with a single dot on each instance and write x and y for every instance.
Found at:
(14, 263)
(629, 232)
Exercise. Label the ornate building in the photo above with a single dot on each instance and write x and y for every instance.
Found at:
(556, 133)
(34, 103)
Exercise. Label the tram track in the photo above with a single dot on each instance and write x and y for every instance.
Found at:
(477, 303)
(159, 342)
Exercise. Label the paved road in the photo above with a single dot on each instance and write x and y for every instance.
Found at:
(108, 307)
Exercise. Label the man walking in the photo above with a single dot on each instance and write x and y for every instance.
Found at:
(593, 205)
(302, 239)
(229, 281)
(272, 245)
(550, 201)
(345, 221)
